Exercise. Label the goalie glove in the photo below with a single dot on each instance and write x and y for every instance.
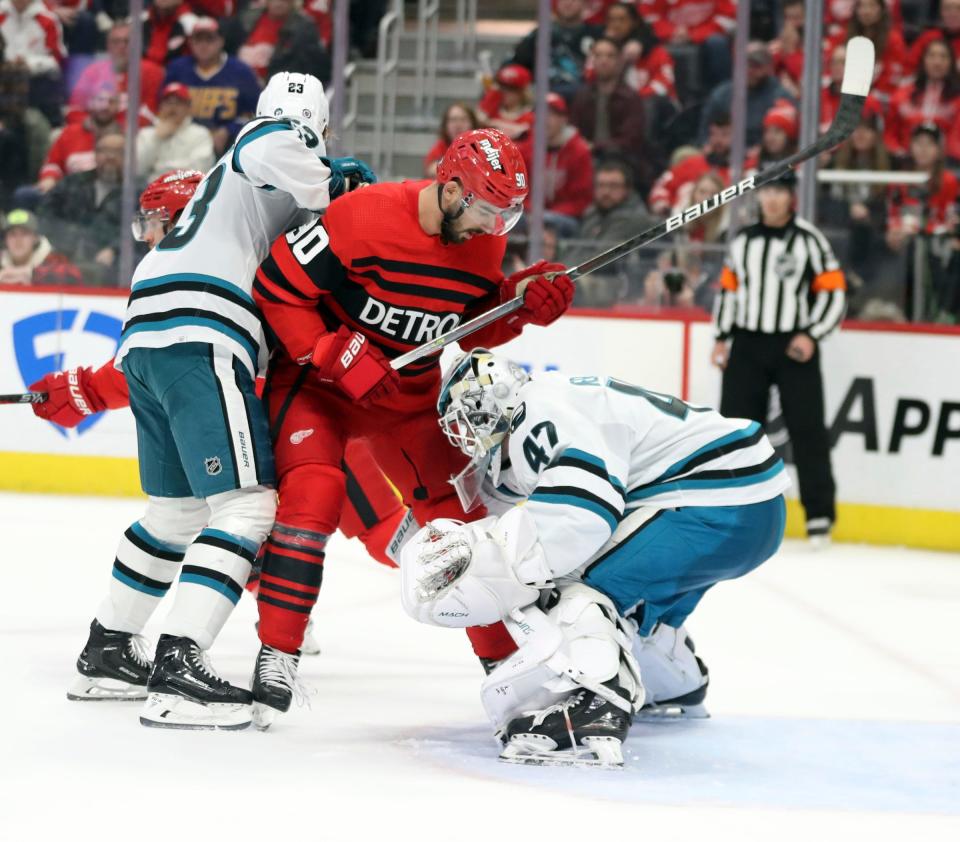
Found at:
(456, 575)
(348, 360)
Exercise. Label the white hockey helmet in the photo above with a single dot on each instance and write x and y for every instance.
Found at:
(478, 398)
(296, 96)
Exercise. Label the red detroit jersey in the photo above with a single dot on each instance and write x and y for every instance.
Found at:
(369, 265)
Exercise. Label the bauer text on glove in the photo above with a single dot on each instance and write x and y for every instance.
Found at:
(348, 360)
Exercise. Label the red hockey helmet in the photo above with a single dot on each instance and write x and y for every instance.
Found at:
(164, 198)
(493, 176)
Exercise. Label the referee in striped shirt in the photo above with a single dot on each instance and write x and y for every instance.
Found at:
(782, 292)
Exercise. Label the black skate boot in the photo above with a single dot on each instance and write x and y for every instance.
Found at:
(113, 665)
(185, 692)
(275, 683)
(584, 729)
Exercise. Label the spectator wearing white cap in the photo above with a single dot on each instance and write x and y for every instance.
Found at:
(175, 142)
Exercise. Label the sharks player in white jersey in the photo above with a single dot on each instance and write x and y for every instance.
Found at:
(191, 348)
(644, 498)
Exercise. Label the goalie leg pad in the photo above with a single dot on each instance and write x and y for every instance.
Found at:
(580, 642)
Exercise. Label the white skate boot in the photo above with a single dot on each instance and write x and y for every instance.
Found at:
(674, 677)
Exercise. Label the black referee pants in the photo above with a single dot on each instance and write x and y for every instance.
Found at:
(758, 361)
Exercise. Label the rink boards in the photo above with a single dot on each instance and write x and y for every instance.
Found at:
(893, 403)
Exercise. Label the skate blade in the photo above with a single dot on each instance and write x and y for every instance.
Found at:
(309, 645)
(164, 710)
(87, 689)
(595, 752)
(264, 716)
(671, 712)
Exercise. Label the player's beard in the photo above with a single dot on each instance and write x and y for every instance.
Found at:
(451, 232)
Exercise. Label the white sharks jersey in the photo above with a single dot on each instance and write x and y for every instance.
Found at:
(195, 285)
(585, 451)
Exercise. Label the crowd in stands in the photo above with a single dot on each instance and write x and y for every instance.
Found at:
(640, 105)
(63, 109)
(638, 124)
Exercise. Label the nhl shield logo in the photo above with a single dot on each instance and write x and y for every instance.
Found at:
(213, 465)
(785, 266)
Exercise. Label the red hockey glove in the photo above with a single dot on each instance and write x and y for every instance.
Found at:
(350, 361)
(71, 397)
(544, 301)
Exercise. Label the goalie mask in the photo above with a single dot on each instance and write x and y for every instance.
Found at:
(478, 397)
(296, 96)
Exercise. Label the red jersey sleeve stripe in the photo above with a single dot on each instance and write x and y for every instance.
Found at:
(274, 286)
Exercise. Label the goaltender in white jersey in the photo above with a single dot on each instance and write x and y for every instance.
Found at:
(646, 499)
(195, 286)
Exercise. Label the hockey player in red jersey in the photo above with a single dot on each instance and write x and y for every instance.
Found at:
(386, 269)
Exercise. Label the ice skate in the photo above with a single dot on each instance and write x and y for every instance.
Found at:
(310, 646)
(274, 685)
(113, 666)
(819, 531)
(675, 679)
(582, 730)
(185, 692)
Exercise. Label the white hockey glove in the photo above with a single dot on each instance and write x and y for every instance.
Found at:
(457, 575)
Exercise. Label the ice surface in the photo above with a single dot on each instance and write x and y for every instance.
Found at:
(835, 694)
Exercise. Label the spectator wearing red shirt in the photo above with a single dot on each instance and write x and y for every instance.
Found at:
(507, 105)
(781, 128)
(72, 151)
(569, 169)
(707, 23)
(948, 30)
(321, 13)
(871, 18)
(457, 119)
(671, 191)
(787, 48)
(283, 39)
(110, 74)
(167, 23)
(609, 113)
(649, 67)
(933, 98)
(34, 37)
(595, 11)
(930, 207)
(837, 15)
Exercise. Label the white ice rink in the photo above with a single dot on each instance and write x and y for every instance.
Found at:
(835, 694)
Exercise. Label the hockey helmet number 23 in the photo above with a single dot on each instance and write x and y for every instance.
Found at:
(493, 176)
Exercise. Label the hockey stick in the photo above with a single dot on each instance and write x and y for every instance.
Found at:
(857, 76)
(24, 397)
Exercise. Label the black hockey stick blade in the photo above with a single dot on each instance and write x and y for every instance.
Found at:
(24, 397)
(857, 77)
